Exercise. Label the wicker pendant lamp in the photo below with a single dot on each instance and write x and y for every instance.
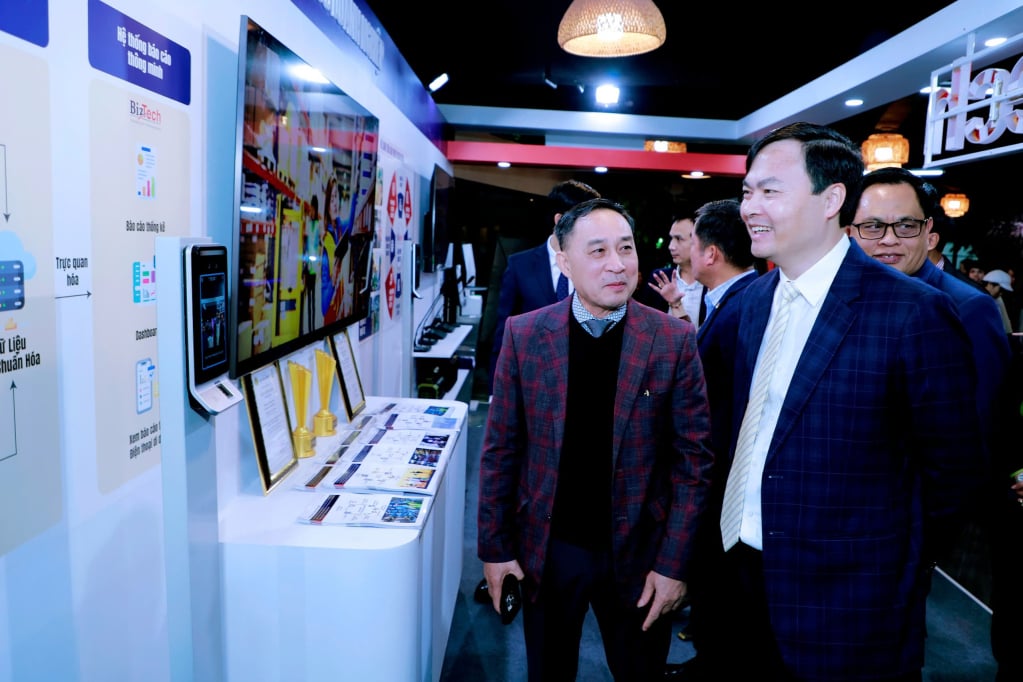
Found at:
(884, 150)
(611, 28)
(955, 205)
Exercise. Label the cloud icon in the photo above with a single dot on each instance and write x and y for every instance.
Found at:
(11, 249)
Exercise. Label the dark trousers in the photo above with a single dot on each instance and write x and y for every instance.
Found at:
(574, 580)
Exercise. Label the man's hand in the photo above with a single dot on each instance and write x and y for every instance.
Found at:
(667, 287)
(667, 593)
(494, 573)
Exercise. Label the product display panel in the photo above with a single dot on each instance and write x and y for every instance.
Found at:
(306, 166)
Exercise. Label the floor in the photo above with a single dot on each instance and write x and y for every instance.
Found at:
(481, 649)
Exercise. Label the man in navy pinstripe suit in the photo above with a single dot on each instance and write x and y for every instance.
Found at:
(862, 456)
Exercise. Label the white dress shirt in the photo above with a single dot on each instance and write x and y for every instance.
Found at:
(813, 286)
(691, 295)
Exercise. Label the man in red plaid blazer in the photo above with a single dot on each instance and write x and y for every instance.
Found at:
(594, 468)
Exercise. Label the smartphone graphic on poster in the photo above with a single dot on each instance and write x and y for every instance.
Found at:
(144, 371)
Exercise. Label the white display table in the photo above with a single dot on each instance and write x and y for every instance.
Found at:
(305, 602)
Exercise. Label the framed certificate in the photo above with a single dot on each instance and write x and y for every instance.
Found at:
(270, 425)
(348, 369)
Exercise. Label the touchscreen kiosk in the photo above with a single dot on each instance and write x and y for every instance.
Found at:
(206, 297)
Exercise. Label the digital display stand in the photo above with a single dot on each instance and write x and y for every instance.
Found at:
(206, 300)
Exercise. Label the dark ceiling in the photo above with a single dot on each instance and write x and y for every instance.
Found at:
(720, 60)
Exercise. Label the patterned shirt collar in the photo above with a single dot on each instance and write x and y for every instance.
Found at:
(581, 314)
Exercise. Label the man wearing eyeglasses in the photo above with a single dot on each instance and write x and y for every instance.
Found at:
(893, 222)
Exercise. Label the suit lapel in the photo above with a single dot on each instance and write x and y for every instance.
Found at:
(833, 323)
(552, 342)
(542, 271)
(636, 348)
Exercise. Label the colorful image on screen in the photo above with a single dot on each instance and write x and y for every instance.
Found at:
(307, 161)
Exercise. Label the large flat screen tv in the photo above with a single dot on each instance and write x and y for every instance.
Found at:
(305, 173)
(436, 229)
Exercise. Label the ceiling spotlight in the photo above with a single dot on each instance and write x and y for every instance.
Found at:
(438, 82)
(580, 87)
(854, 102)
(504, 164)
(607, 94)
(600, 169)
(550, 83)
(994, 42)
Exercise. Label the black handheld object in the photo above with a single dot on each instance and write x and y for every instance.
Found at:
(511, 598)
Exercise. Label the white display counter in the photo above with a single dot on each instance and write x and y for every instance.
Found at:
(336, 602)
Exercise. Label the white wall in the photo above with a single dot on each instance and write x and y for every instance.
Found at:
(83, 548)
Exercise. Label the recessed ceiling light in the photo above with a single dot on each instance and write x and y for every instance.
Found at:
(600, 169)
(994, 42)
(695, 175)
(504, 164)
(927, 172)
(854, 102)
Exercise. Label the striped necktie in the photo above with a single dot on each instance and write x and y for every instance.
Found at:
(735, 488)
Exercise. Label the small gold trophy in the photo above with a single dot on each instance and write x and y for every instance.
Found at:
(324, 422)
(301, 380)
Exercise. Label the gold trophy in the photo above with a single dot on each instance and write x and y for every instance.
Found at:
(301, 378)
(324, 422)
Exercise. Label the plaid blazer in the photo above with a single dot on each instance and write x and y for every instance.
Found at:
(870, 461)
(661, 456)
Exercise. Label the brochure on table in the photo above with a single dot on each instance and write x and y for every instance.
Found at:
(376, 470)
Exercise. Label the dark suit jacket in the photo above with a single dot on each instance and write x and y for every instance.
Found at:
(990, 345)
(526, 285)
(716, 341)
(661, 453)
(869, 460)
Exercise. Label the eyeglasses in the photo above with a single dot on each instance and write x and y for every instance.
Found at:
(907, 228)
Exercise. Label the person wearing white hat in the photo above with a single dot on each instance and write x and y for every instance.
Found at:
(995, 281)
(999, 277)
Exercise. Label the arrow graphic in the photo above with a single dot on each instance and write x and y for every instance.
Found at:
(14, 422)
(7, 212)
(87, 294)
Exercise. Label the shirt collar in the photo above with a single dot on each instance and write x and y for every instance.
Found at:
(581, 314)
(813, 284)
(715, 295)
(552, 255)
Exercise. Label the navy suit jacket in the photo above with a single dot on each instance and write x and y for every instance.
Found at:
(526, 285)
(868, 464)
(716, 341)
(991, 354)
(661, 451)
